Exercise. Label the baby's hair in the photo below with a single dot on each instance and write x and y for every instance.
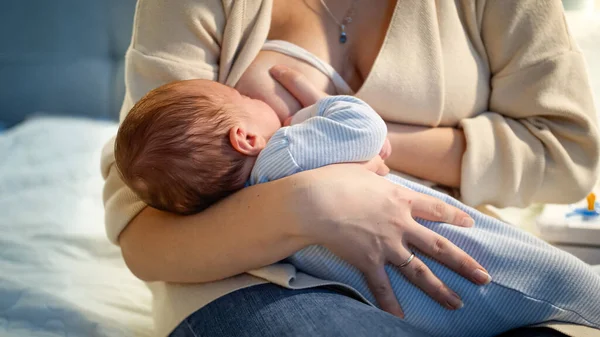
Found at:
(173, 150)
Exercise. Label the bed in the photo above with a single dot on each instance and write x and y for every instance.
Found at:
(59, 275)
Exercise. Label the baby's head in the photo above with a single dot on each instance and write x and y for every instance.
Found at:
(188, 144)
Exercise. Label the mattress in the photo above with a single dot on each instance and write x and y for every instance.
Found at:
(59, 275)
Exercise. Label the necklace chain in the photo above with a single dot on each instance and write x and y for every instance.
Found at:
(345, 21)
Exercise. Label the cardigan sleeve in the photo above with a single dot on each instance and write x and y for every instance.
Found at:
(171, 40)
(539, 141)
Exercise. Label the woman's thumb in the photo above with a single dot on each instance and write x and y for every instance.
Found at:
(297, 84)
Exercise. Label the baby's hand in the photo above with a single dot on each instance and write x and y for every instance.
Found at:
(386, 150)
(288, 121)
(378, 166)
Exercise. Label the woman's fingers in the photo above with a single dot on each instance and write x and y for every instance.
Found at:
(440, 248)
(445, 252)
(380, 286)
(297, 84)
(420, 275)
(430, 208)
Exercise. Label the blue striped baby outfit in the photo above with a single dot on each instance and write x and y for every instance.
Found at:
(337, 129)
(533, 282)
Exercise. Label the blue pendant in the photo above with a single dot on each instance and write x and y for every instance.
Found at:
(343, 37)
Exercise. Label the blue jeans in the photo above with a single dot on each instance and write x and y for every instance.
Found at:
(268, 310)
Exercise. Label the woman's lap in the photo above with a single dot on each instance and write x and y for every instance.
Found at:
(269, 310)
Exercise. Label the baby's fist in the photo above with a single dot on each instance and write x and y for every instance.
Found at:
(386, 150)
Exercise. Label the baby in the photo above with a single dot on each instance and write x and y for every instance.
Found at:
(188, 144)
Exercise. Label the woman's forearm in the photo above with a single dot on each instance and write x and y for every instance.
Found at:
(434, 154)
(255, 227)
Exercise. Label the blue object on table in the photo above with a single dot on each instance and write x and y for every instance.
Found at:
(586, 213)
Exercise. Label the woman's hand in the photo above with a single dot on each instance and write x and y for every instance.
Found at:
(369, 222)
(297, 85)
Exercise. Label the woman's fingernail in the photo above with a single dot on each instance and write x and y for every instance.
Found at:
(468, 222)
(481, 277)
(454, 302)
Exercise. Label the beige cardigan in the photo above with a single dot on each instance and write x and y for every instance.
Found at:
(506, 71)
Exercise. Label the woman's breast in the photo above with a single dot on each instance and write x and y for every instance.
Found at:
(257, 83)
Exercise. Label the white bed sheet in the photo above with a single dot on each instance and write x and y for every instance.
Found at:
(59, 275)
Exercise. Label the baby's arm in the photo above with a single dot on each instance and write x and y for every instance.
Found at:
(337, 129)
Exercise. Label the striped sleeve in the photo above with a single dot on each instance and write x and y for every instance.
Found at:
(339, 129)
(344, 129)
(275, 161)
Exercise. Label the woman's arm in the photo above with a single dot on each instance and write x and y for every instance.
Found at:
(539, 140)
(253, 228)
(178, 41)
(359, 216)
(418, 151)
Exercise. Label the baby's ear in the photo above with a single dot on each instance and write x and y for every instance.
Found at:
(246, 143)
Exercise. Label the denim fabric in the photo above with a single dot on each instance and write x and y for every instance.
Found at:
(271, 311)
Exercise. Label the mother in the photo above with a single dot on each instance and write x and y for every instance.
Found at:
(496, 90)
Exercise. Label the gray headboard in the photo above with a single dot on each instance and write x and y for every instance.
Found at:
(62, 57)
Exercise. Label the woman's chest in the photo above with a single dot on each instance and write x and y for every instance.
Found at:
(432, 68)
(316, 25)
(307, 24)
(414, 62)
